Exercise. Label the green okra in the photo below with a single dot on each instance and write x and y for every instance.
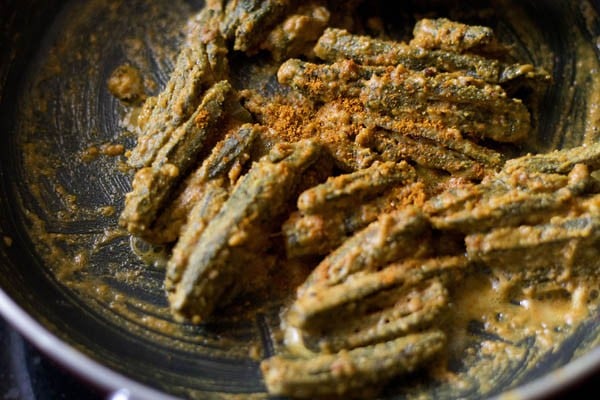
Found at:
(154, 185)
(349, 370)
(338, 44)
(565, 247)
(352, 188)
(392, 146)
(296, 34)
(247, 22)
(176, 105)
(455, 100)
(318, 234)
(207, 30)
(402, 88)
(395, 235)
(506, 209)
(447, 137)
(471, 122)
(514, 195)
(325, 82)
(402, 317)
(444, 34)
(233, 14)
(558, 161)
(232, 151)
(212, 198)
(347, 155)
(220, 255)
(312, 310)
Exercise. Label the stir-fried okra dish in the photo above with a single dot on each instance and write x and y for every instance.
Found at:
(389, 168)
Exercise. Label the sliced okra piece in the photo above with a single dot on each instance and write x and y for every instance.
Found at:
(228, 156)
(448, 137)
(506, 209)
(442, 33)
(338, 44)
(392, 146)
(349, 370)
(296, 35)
(218, 259)
(558, 161)
(509, 184)
(176, 105)
(318, 234)
(346, 189)
(206, 207)
(325, 82)
(152, 186)
(319, 307)
(396, 235)
(206, 29)
(248, 22)
(411, 309)
(564, 248)
(402, 88)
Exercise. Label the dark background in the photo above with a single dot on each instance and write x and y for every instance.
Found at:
(26, 374)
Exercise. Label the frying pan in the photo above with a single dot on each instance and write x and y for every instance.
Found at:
(69, 279)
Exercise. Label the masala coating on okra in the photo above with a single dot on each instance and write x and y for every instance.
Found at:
(444, 34)
(395, 235)
(204, 196)
(349, 370)
(233, 236)
(153, 185)
(247, 22)
(556, 251)
(222, 168)
(318, 233)
(175, 105)
(353, 187)
(381, 163)
(397, 90)
(359, 296)
(517, 194)
(339, 44)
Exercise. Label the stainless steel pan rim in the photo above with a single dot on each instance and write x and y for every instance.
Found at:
(117, 385)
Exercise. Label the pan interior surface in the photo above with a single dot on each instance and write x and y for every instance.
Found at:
(67, 264)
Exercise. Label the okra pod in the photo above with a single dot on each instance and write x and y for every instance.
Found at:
(230, 153)
(314, 310)
(220, 255)
(318, 234)
(412, 308)
(176, 105)
(396, 235)
(401, 88)
(442, 33)
(349, 370)
(558, 161)
(392, 146)
(338, 44)
(152, 186)
(563, 248)
(352, 188)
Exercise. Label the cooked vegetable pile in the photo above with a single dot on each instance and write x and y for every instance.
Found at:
(383, 163)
